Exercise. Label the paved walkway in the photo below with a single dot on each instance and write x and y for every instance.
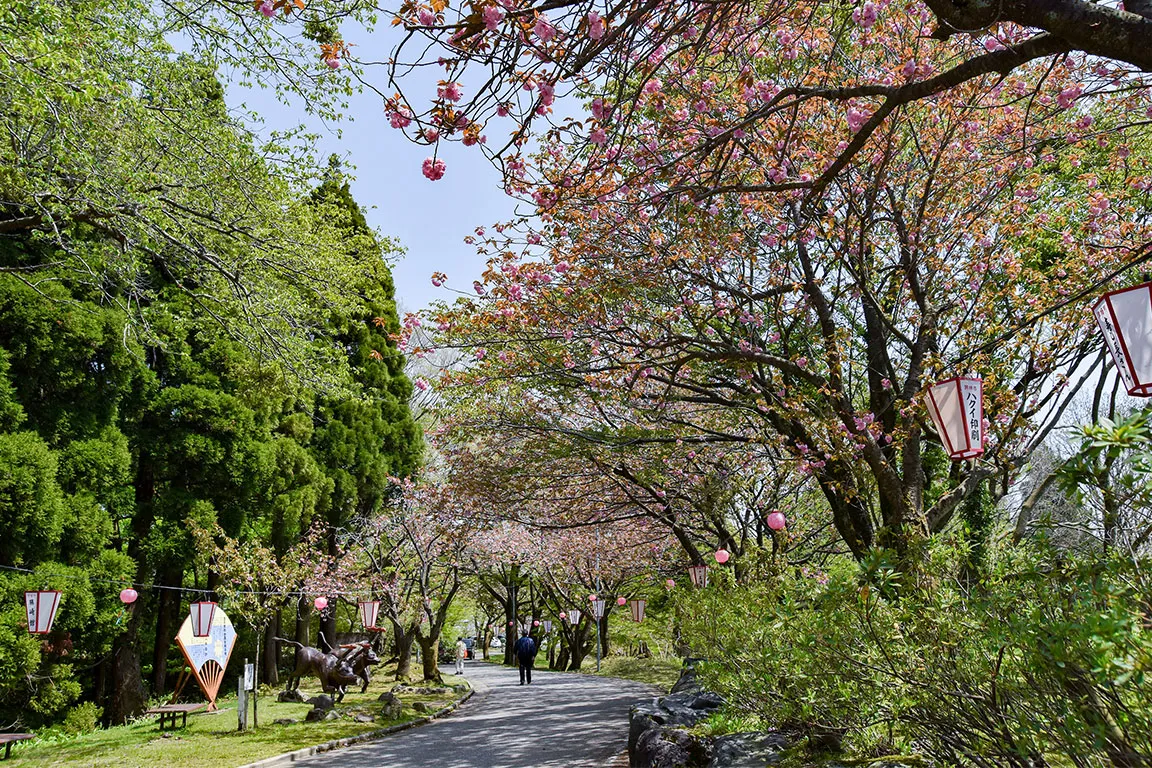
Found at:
(561, 720)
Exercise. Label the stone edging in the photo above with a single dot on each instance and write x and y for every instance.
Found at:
(291, 757)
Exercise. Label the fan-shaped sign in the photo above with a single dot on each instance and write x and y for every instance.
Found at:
(208, 656)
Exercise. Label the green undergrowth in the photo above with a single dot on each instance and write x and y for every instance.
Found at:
(212, 738)
(652, 670)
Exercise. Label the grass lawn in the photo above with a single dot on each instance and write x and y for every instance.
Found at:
(212, 739)
(657, 671)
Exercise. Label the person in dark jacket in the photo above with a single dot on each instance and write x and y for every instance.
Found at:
(525, 650)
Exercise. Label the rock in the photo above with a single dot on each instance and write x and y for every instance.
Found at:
(748, 750)
(670, 748)
(285, 721)
(331, 715)
(315, 715)
(291, 696)
(392, 706)
(364, 719)
(460, 688)
(421, 707)
(687, 680)
(322, 701)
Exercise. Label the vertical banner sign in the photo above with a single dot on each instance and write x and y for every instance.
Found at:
(637, 606)
(249, 677)
(41, 607)
(208, 656)
(1125, 320)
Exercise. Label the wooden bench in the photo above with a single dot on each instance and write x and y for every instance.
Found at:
(7, 739)
(169, 712)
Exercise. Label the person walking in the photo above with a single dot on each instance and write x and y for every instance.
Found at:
(525, 650)
(461, 654)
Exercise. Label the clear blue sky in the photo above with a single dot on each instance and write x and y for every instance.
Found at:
(429, 218)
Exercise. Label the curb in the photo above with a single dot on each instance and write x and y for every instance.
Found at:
(291, 757)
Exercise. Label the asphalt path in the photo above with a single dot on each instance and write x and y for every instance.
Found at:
(560, 720)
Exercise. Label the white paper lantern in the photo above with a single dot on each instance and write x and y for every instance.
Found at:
(547, 626)
(41, 606)
(201, 614)
(637, 605)
(956, 406)
(598, 609)
(574, 616)
(369, 612)
(699, 575)
(1125, 319)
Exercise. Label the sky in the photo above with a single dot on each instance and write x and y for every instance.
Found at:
(429, 218)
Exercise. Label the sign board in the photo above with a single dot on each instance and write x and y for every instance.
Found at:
(249, 677)
(208, 656)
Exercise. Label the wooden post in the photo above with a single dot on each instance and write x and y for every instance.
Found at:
(242, 702)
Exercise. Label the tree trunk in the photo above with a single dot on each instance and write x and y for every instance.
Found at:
(403, 642)
(271, 673)
(428, 655)
(604, 633)
(128, 695)
(167, 604)
(303, 621)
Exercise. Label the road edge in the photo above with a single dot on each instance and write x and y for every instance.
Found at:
(291, 757)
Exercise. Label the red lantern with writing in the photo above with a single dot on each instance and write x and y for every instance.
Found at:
(41, 606)
(699, 575)
(1125, 320)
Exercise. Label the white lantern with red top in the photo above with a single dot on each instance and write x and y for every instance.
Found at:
(41, 606)
(956, 406)
(369, 612)
(637, 605)
(699, 575)
(574, 616)
(201, 614)
(1125, 320)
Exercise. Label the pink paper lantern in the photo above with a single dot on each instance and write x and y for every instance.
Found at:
(722, 556)
(621, 601)
(201, 614)
(41, 607)
(592, 598)
(509, 623)
(957, 409)
(321, 603)
(535, 623)
(128, 596)
(669, 583)
(777, 521)
(563, 615)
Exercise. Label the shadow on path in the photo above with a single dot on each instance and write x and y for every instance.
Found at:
(562, 719)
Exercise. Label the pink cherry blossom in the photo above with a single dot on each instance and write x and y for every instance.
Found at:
(1065, 98)
(492, 18)
(332, 62)
(400, 118)
(865, 16)
(598, 136)
(547, 93)
(595, 25)
(857, 119)
(543, 29)
(449, 91)
(267, 9)
(909, 69)
(433, 168)
(426, 17)
(420, 384)
(478, 287)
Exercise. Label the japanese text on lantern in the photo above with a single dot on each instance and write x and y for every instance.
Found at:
(973, 409)
(1112, 339)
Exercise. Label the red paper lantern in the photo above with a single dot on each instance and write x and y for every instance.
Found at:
(202, 614)
(722, 556)
(369, 612)
(574, 616)
(957, 409)
(41, 606)
(1125, 320)
(321, 603)
(621, 600)
(598, 609)
(128, 596)
(637, 605)
(777, 521)
(699, 575)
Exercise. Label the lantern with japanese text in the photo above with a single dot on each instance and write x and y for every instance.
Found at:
(201, 615)
(957, 409)
(637, 605)
(1125, 320)
(699, 575)
(598, 609)
(41, 606)
(574, 616)
(369, 612)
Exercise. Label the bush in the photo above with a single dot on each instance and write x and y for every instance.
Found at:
(1046, 655)
(81, 719)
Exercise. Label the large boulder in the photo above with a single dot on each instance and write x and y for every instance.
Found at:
(323, 701)
(748, 750)
(421, 707)
(392, 706)
(291, 696)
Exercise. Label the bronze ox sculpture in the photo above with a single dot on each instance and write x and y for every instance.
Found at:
(335, 670)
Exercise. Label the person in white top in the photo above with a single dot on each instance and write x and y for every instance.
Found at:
(461, 654)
